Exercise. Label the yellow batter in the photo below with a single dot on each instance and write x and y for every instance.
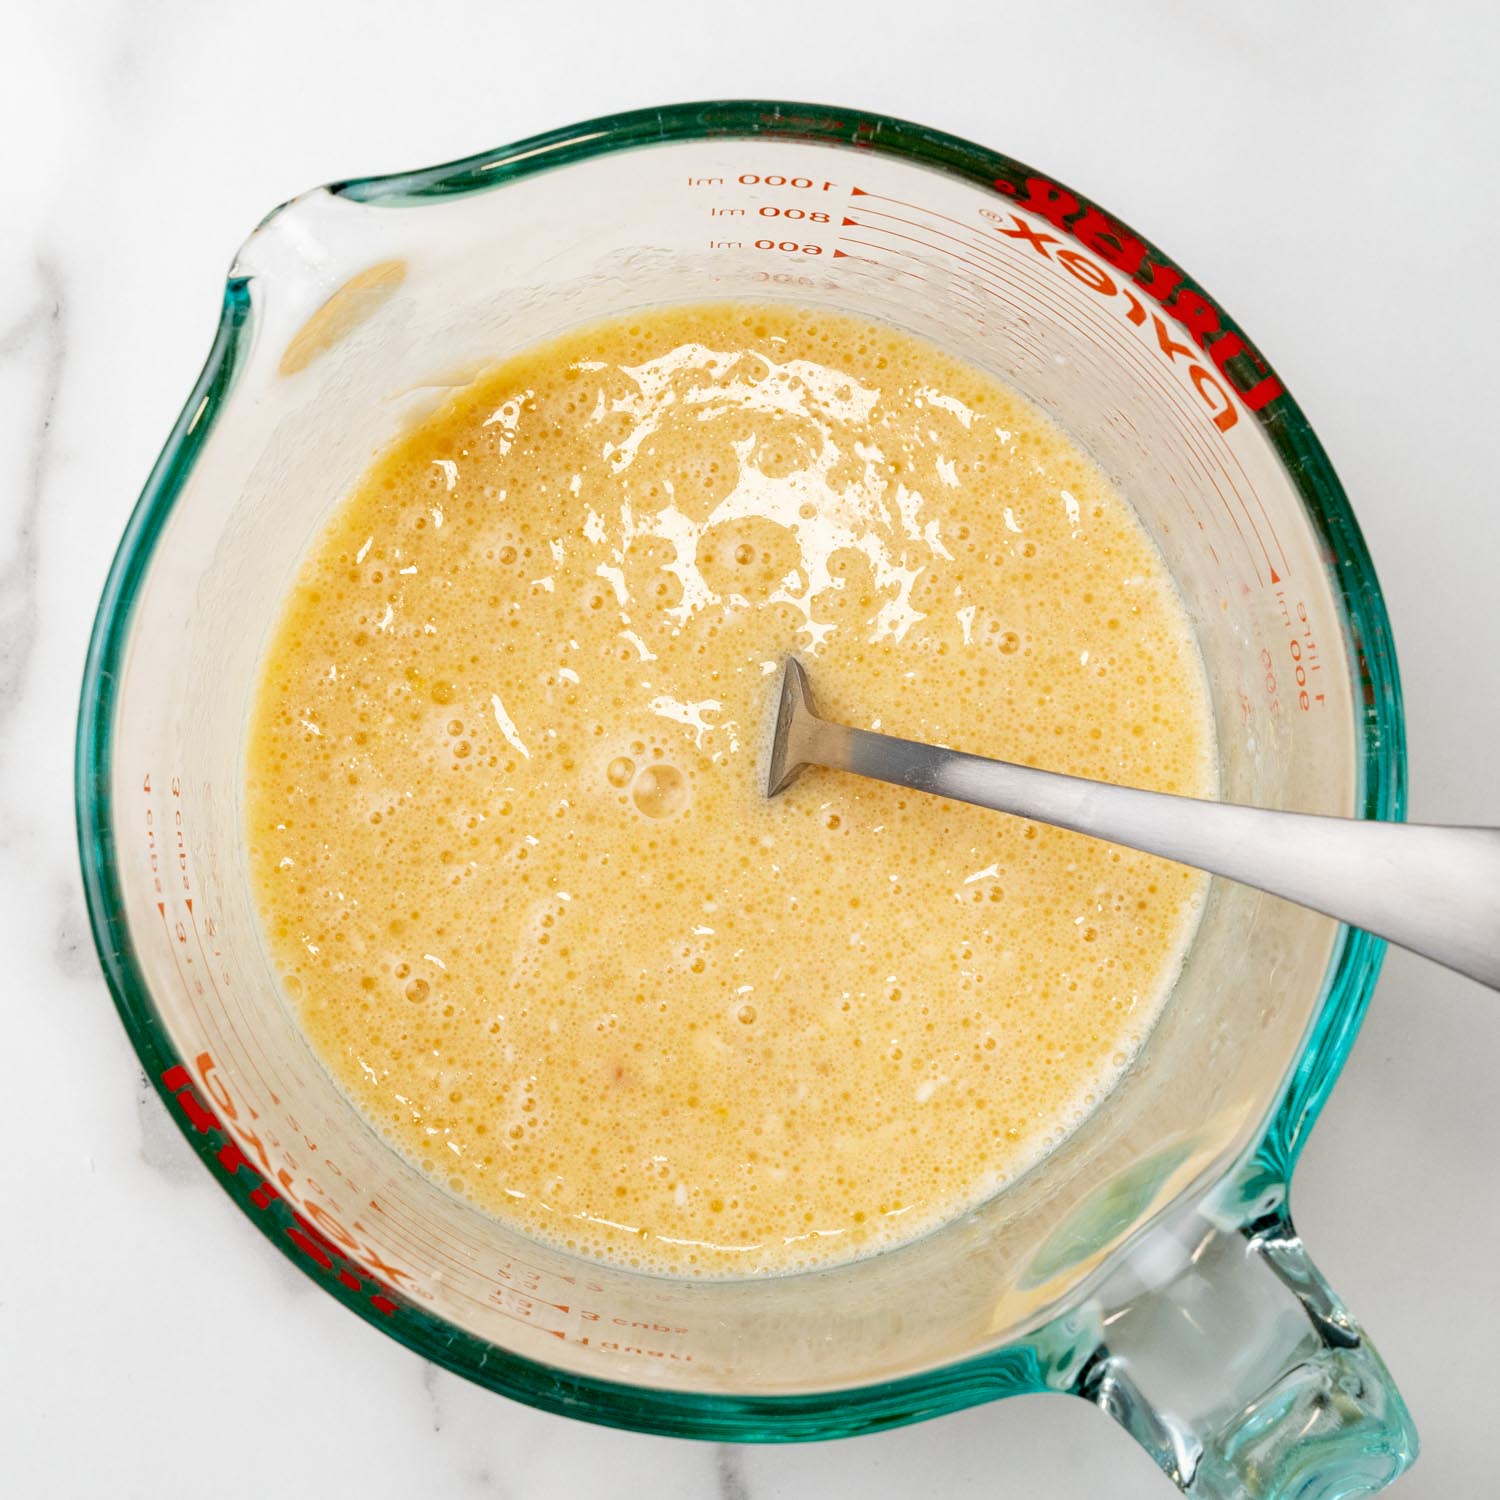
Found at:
(505, 776)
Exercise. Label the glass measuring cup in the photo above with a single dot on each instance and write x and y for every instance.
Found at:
(1149, 1264)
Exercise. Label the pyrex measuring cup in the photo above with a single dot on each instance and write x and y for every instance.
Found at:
(1149, 1264)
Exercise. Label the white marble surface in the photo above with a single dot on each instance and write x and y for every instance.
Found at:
(1326, 170)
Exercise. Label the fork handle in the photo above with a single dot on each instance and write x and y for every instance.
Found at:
(1434, 890)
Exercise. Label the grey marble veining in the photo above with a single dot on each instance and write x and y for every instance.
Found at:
(162, 1147)
(38, 340)
(729, 1473)
(431, 1376)
(72, 943)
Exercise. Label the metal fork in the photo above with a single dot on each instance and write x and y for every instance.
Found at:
(1434, 890)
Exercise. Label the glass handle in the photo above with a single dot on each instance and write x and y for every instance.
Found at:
(1226, 1355)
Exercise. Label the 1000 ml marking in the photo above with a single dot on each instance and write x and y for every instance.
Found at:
(1229, 355)
(769, 179)
(775, 179)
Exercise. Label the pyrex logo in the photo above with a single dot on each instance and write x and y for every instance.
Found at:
(1239, 367)
(328, 1246)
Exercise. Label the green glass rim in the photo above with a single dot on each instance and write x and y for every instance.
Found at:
(1016, 1368)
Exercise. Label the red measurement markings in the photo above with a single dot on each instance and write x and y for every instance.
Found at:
(177, 938)
(1195, 314)
(1150, 371)
(1091, 275)
(422, 1247)
(277, 1181)
(986, 266)
(1124, 253)
(977, 303)
(438, 1242)
(316, 1246)
(515, 1288)
(262, 1064)
(788, 247)
(474, 1246)
(1037, 352)
(1165, 285)
(244, 1035)
(996, 292)
(976, 309)
(358, 1267)
(1100, 281)
(1273, 700)
(510, 1302)
(519, 1303)
(1302, 647)
(981, 308)
(1123, 419)
(516, 1296)
(1147, 370)
(1004, 275)
(248, 1135)
(614, 1346)
(529, 1278)
(524, 1309)
(521, 1315)
(790, 278)
(417, 1252)
(154, 854)
(415, 1245)
(173, 941)
(781, 180)
(246, 1052)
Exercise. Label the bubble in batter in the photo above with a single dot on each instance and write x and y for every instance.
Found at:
(659, 791)
(505, 775)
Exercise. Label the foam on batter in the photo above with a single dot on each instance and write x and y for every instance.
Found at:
(505, 776)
